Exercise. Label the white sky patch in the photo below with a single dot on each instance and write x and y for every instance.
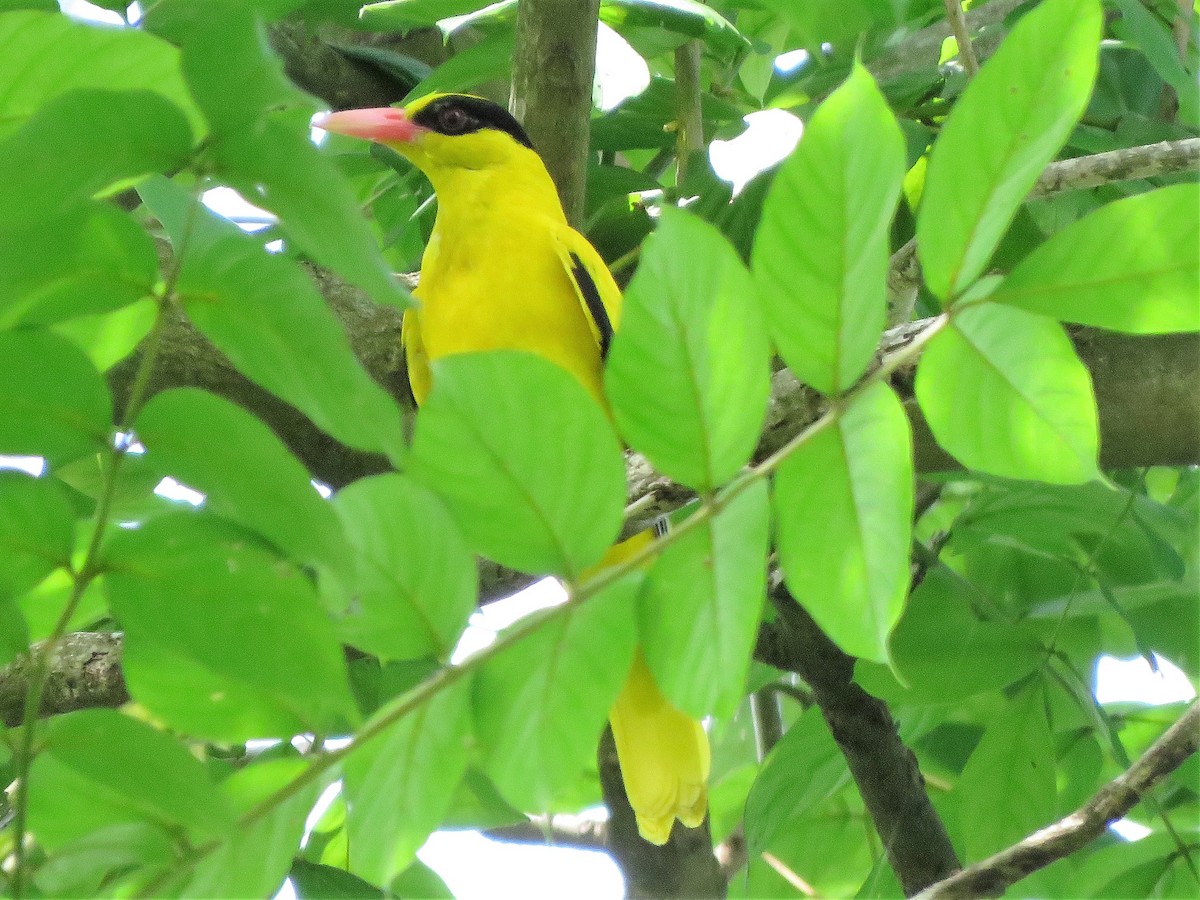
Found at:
(790, 61)
(489, 620)
(32, 465)
(621, 72)
(770, 135)
(1133, 681)
(227, 202)
(1130, 831)
(499, 869)
(170, 489)
(323, 489)
(86, 12)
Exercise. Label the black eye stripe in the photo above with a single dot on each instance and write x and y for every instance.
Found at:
(479, 114)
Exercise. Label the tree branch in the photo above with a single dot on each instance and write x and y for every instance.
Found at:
(553, 67)
(885, 770)
(84, 672)
(993, 875)
(580, 832)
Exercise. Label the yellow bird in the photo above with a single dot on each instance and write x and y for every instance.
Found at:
(504, 271)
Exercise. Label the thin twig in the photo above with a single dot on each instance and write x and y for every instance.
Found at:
(962, 36)
(993, 875)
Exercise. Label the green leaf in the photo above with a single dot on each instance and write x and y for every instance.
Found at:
(491, 58)
(399, 785)
(821, 250)
(222, 639)
(255, 860)
(699, 611)
(37, 531)
(133, 765)
(843, 509)
(47, 55)
(1007, 789)
(108, 338)
(1132, 265)
(524, 458)
(244, 470)
(98, 138)
(1008, 124)
(266, 316)
(79, 868)
(53, 403)
(688, 376)
(75, 266)
(801, 772)
(415, 584)
(681, 16)
(326, 882)
(1004, 393)
(945, 652)
(261, 147)
(541, 703)
(407, 14)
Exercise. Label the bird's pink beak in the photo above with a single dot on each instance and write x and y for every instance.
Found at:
(384, 125)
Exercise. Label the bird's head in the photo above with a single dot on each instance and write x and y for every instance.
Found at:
(440, 132)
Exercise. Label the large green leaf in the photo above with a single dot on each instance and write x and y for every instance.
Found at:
(255, 859)
(688, 375)
(75, 266)
(130, 764)
(524, 458)
(222, 638)
(821, 249)
(260, 146)
(267, 317)
(944, 651)
(1004, 392)
(53, 403)
(699, 611)
(1008, 124)
(399, 785)
(843, 510)
(81, 143)
(687, 17)
(244, 470)
(1007, 789)
(415, 580)
(37, 531)
(1132, 265)
(47, 55)
(540, 704)
(804, 769)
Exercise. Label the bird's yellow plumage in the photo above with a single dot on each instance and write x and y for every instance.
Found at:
(504, 270)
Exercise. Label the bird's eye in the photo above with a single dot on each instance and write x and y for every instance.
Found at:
(453, 120)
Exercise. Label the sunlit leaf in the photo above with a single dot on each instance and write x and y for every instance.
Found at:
(524, 458)
(699, 611)
(1133, 265)
(821, 250)
(399, 785)
(415, 579)
(1004, 392)
(843, 507)
(1008, 124)
(688, 375)
(540, 704)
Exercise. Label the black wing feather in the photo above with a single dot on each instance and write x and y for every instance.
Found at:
(591, 296)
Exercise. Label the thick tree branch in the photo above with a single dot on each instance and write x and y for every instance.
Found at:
(84, 672)
(553, 67)
(885, 770)
(993, 875)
